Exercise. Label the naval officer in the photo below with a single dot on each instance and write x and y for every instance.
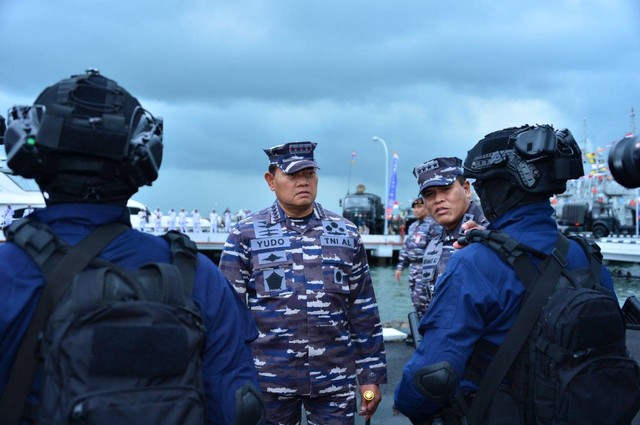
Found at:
(411, 255)
(303, 271)
(447, 197)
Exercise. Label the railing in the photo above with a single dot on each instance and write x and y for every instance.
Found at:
(378, 245)
(622, 248)
(625, 249)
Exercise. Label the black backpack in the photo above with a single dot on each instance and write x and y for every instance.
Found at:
(565, 358)
(117, 346)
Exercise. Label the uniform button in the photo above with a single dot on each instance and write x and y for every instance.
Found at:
(372, 375)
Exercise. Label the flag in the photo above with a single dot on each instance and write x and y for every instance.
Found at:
(393, 184)
(353, 157)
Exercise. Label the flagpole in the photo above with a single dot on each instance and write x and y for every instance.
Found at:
(386, 180)
(353, 161)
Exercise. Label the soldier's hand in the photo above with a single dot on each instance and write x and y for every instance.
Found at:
(465, 227)
(369, 407)
(398, 274)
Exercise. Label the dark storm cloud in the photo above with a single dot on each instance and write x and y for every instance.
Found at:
(428, 77)
(297, 51)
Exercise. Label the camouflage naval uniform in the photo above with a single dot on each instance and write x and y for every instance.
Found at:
(439, 172)
(440, 248)
(307, 282)
(412, 254)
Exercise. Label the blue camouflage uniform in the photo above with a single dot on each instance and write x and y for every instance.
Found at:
(440, 172)
(227, 362)
(411, 255)
(307, 283)
(479, 296)
(440, 248)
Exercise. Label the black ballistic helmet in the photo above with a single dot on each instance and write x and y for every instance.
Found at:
(85, 139)
(536, 159)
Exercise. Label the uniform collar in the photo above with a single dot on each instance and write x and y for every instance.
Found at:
(277, 214)
(473, 212)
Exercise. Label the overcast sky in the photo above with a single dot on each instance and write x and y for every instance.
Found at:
(430, 78)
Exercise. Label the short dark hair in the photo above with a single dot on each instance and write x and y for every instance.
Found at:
(272, 169)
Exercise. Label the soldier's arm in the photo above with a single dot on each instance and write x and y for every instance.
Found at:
(451, 327)
(403, 258)
(364, 319)
(403, 261)
(228, 368)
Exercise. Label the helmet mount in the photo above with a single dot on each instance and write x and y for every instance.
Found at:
(537, 159)
(86, 139)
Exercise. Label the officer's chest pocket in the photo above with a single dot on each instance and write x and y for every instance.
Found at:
(338, 251)
(337, 266)
(421, 242)
(334, 297)
(335, 276)
(272, 275)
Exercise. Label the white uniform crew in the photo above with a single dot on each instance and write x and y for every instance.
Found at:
(227, 220)
(213, 218)
(195, 215)
(182, 220)
(171, 224)
(142, 220)
(7, 216)
(157, 220)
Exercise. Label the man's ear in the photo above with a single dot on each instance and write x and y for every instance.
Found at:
(467, 190)
(268, 177)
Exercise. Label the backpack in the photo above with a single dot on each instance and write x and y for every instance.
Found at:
(565, 358)
(117, 346)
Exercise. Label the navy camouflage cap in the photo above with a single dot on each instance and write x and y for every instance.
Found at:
(293, 156)
(438, 172)
(417, 201)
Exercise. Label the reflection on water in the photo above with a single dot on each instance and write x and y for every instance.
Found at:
(394, 301)
(626, 278)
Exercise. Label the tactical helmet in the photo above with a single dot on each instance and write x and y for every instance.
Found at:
(537, 159)
(85, 139)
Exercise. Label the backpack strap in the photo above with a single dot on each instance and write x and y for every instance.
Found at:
(592, 251)
(511, 251)
(185, 258)
(39, 241)
(47, 250)
(542, 286)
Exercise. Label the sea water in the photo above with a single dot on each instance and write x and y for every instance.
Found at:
(394, 301)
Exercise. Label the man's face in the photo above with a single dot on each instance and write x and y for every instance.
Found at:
(447, 204)
(420, 210)
(295, 192)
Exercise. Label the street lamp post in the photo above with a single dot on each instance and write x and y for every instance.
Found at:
(386, 181)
